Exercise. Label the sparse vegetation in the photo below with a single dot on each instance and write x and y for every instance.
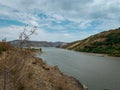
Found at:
(107, 42)
(13, 59)
(34, 49)
(4, 46)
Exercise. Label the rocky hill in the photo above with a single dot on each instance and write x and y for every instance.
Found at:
(36, 43)
(107, 42)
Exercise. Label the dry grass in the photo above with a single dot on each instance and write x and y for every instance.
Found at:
(27, 72)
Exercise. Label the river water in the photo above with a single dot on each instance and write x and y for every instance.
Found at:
(96, 72)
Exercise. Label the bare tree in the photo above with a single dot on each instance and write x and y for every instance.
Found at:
(24, 36)
(14, 59)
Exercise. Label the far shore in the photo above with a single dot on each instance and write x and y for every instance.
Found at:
(100, 55)
(97, 54)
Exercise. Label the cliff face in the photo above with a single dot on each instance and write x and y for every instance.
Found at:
(27, 72)
(107, 42)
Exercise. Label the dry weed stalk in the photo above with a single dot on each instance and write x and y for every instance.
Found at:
(13, 60)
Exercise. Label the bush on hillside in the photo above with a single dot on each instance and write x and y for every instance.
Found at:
(4, 46)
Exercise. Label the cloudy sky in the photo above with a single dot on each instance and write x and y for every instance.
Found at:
(58, 20)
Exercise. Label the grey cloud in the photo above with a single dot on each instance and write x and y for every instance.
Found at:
(69, 9)
(80, 12)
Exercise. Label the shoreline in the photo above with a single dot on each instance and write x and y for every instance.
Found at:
(100, 55)
(95, 54)
(36, 73)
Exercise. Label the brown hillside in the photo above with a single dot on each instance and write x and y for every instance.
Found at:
(31, 73)
(107, 42)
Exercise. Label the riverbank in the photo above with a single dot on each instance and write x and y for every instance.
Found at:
(26, 72)
(96, 72)
(100, 55)
(95, 54)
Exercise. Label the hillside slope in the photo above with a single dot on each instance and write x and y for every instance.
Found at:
(36, 43)
(107, 42)
(19, 70)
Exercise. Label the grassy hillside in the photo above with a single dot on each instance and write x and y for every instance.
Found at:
(107, 42)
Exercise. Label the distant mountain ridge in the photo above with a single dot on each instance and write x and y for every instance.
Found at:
(36, 43)
(107, 42)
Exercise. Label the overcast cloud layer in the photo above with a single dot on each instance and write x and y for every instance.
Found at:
(58, 20)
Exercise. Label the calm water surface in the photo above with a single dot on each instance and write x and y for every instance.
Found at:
(96, 72)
